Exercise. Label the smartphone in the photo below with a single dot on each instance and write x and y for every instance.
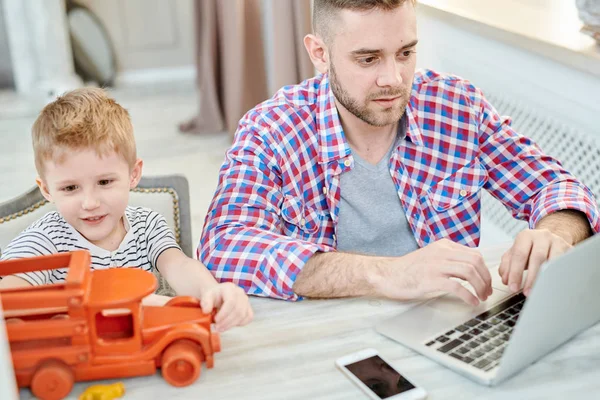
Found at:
(377, 378)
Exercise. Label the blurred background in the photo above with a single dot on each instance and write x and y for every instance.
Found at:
(187, 70)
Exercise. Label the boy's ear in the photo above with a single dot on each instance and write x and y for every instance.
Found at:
(136, 173)
(43, 189)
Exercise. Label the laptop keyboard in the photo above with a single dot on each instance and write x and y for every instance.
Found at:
(481, 341)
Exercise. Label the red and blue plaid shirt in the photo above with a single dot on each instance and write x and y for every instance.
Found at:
(277, 201)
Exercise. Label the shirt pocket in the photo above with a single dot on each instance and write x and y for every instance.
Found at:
(458, 188)
(299, 220)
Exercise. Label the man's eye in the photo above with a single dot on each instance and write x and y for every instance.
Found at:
(104, 182)
(407, 53)
(70, 188)
(367, 60)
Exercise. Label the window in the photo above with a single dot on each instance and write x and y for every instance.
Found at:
(114, 324)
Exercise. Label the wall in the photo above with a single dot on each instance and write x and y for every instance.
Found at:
(153, 39)
(565, 93)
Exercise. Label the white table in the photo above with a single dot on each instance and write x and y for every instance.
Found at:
(288, 352)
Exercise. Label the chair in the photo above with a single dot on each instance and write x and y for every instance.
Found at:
(168, 195)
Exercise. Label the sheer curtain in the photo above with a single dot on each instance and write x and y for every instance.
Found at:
(246, 50)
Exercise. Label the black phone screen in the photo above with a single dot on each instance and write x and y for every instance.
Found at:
(380, 377)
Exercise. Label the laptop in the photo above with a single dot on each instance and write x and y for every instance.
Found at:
(8, 386)
(495, 340)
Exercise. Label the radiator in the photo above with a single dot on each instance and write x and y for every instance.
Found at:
(579, 153)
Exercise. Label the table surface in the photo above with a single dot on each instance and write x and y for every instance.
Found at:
(550, 28)
(289, 350)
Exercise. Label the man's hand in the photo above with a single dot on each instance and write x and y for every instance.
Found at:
(429, 270)
(553, 235)
(232, 303)
(531, 249)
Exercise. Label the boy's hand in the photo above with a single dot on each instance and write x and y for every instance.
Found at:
(232, 303)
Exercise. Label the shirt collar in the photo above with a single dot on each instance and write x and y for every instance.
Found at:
(413, 131)
(332, 141)
(99, 250)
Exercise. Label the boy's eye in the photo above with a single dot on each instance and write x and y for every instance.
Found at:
(104, 182)
(69, 188)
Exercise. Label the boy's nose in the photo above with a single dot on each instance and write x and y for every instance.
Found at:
(90, 203)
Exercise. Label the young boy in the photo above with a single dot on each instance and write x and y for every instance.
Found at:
(85, 156)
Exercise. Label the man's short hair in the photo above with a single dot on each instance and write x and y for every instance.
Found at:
(324, 11)
(85, 118)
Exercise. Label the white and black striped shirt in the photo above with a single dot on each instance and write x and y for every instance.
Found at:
(148, 235)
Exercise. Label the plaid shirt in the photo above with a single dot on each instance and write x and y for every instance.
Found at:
(277, 201)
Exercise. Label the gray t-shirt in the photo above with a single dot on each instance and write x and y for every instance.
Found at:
(371, 218)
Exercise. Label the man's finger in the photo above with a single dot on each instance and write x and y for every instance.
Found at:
(504, 264)
(539, 254)
(473, 257)
(470, 274)
(457, 289)
(518, 261)
(557, 247)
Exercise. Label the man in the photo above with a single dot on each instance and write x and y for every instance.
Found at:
(366, 179)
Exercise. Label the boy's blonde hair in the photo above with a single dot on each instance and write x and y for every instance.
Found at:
(85, 118)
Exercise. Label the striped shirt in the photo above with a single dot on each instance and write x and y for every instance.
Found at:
(148, 235)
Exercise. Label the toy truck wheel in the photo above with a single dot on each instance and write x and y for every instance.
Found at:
(183, 301)
(53, 380)
(181, 363)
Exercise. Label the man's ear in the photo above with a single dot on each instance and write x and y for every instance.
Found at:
(43, 188)
(317, 51)
(136, 173)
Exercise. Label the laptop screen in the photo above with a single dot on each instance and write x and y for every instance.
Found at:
(8, 387)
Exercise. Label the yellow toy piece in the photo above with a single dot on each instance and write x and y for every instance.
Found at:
(103, 392)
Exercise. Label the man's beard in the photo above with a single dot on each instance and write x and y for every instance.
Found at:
(390, 116)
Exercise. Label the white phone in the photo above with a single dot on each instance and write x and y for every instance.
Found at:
(377, 378)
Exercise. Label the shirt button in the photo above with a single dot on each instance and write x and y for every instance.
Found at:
(463, 192)
(348, 163)
(302, 222)
(325, 191)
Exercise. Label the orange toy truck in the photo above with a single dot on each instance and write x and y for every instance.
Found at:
(93, 326)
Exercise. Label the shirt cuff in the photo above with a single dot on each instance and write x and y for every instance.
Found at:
(566, 195)
(280, 267)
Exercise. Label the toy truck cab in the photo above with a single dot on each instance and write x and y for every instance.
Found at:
(114, 311)
(94, 326)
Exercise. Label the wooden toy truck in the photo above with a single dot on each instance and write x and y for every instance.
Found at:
(93, 326)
